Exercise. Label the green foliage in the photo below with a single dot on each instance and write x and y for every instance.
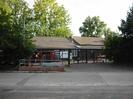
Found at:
(92, 27)
(19, 24)
(15, 32)
(120, 48)
(51, 19)
(112, 47)
(127, 31)
(4, 5)
(127, 25)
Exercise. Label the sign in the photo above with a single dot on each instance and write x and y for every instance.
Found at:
(63, 54)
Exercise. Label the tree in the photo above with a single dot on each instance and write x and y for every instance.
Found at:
(127, 25)
(127, 32)
(15, 32)
(92, 27)
(119, 48)
(112, 47)
(108, 33)
(51, 19)
(4, 5)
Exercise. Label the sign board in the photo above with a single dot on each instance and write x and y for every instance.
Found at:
(63, 54)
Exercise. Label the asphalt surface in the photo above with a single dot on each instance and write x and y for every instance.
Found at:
(80, 81)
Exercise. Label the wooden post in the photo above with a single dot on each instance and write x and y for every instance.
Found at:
(78, 57)
(69, 57)
(86, 56)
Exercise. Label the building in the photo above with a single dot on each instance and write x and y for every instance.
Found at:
(51, 51)
(76, 48)
(89, 48)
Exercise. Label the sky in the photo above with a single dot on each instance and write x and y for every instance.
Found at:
(110, 11)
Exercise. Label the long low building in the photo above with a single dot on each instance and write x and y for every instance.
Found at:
(52, 51)
(76, 48)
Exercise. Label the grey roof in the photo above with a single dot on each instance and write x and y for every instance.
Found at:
(89, 42)
(53, 43)
(64, 43)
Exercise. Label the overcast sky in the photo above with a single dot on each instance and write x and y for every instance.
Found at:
(110, 11)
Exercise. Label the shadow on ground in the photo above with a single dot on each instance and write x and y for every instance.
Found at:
(100, 67)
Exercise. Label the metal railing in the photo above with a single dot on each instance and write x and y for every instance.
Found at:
(35, 62)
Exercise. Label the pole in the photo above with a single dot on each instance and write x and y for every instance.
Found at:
(86, 56)
(69, 57)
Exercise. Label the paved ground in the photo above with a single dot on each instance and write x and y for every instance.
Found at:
(80, 81)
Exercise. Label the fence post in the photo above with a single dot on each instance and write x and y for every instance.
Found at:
(69, 57)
